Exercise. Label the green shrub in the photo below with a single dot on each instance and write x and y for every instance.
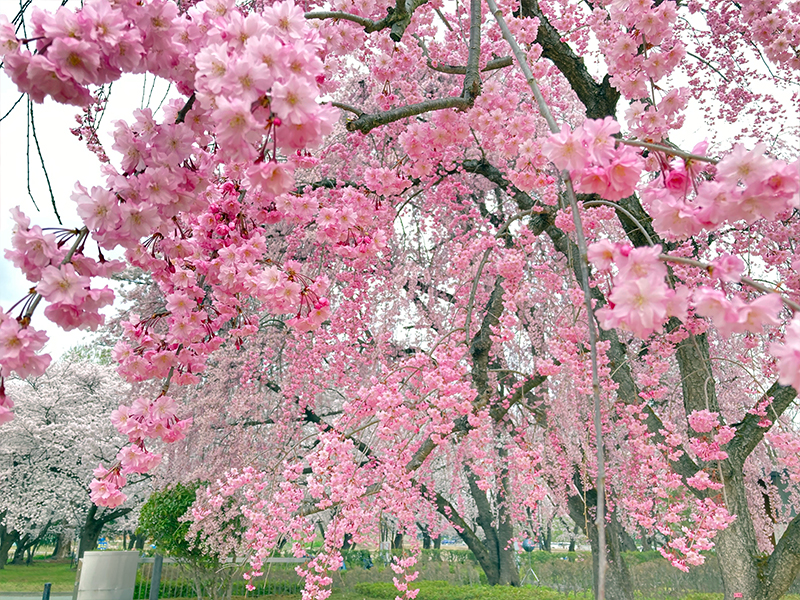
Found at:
(699, 596)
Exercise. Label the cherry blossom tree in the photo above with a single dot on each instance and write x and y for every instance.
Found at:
(49, 451)
(448, 259)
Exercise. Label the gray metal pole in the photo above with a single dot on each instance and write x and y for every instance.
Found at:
(46, 593)
(155, 582)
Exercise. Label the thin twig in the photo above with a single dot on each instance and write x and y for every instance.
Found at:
(544, 110)
(625, 212)
(444, 19)
(765, 289)
(41, 160)
(13, 107)
(473, 291)
(669, 150)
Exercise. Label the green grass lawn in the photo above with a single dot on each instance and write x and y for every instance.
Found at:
(23, 578)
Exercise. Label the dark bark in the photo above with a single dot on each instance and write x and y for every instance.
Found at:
(23, 543)
(626, 541)
(397, 541)
(546, 538)
(437, 542)
(501, 566)
(7, 539)
(600, 99)
(500, 569)
(618, 580)
(63, 546)
(93, 526)
(426, 538)
(347, 542)
(5, 546)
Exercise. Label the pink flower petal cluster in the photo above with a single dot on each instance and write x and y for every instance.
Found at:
(640, 300)
(735, 315)
(788, 355)
(91, 46)
(595, 164)
(6, 404)
(703, 421)
(105, 487)
(747, 186)
(18, 348)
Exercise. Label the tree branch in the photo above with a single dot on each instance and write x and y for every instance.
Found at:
(492, 65)
(600, 99)
(366, 123)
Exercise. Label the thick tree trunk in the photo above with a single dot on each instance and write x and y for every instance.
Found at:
(736, 545)
(426, 539)
(93, 526)
(5, 547)
(618, 580)
(545, 538)
(90, 533)
(499, 563)
(63, 546)
(19, 552)
(626, 541)
(7, 539)
(397, 541)
(437, 542)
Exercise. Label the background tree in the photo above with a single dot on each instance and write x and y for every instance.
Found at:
(48, 453)
(429, 320)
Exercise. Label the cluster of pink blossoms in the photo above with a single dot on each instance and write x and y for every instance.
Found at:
(63, 281)
(92, 46)
(776, 28)
(705, 447)
(659, 502)
(747, 186)
(640, 299)
(631, 27)
(595, 163)
(143, 419)
(253, 80)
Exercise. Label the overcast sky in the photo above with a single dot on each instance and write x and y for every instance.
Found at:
(67, 161)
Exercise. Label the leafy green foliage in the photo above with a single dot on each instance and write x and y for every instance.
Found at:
(160, 520)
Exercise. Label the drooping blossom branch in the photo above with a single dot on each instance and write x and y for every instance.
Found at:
(544, 111)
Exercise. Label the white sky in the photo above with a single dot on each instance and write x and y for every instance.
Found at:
(67, 161)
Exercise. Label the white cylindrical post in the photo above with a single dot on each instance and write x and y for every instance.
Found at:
(108, 576)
